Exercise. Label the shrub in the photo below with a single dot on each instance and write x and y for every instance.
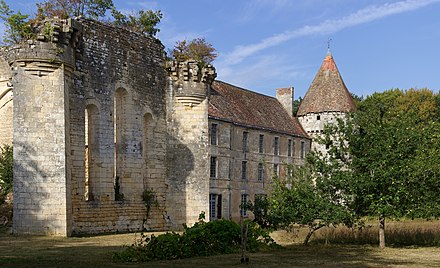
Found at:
(202, 239)
(6, 171)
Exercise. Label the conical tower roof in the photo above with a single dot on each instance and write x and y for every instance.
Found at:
(327, 93)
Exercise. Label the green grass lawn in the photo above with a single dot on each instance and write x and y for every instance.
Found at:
(96, 251)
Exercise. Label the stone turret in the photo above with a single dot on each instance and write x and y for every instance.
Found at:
(188, 148)
(326, 100)
(42, 71)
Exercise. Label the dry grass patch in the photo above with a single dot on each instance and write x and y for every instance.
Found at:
(97, 251)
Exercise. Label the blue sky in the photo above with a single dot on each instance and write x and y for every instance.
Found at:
(267, 44)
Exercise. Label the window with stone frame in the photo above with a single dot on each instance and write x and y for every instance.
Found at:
(276, 145)
(215, 206)
(245, 141)
(261, 144)
(244, 170)
(260, 172)
(276, 169)
(243, 205)
(214, 134)
(293, 148)
(289, 147)
(213, 167)
(303, 149)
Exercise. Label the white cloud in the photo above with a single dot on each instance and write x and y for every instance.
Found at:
(265, 68)
(362, 16)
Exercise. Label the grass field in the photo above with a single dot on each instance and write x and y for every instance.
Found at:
(96, 251)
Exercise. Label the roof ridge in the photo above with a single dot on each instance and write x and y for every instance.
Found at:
(244, 89)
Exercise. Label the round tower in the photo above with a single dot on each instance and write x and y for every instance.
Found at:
(326, 100)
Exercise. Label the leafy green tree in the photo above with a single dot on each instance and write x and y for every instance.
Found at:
(6, 171)
(298, 199)
(296, 104)
(144, 22)
(17, 26)
(93, 9)
(197, 49)
(392, 144)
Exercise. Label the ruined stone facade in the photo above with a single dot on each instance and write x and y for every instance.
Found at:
(109, 137)
(5, 102)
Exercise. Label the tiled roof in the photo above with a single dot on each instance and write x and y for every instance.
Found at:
(327, 93)
(250, 109)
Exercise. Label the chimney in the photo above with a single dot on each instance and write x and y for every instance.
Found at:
(285, 97)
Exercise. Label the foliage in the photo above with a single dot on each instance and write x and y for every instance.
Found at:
(297, 199)
(296, 104)
(150, 199)
(93, 9)
(6, 171)
(388, 152)
(202, 239)
(17, 26)
(119, 196)
(143, 22)
(197, 49)
(21, 26)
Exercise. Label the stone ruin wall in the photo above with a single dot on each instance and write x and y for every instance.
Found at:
(120, 80)
(89, 69)
(5, 102)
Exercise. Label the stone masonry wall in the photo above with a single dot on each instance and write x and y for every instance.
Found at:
(314, 123)
(120, 81)
(230, 155)
(6, 96)
(41, 80)
(187, 153)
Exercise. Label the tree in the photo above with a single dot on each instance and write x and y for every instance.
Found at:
(197, 49)
(93, 9)
(144, 22)
(298, 199)
(16, 24)
(391, 144)
(6, 171)
(21, 26)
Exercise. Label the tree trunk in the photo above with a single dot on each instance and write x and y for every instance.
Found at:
(311, 231)
(306, 240)
(382, 232)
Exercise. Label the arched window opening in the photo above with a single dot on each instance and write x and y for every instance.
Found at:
(120, 140)
(91, 119)
(147, 136)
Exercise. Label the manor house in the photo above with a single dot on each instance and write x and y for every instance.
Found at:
(108, 136)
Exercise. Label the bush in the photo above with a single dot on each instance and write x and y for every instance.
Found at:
(6, 171)
(202, 239)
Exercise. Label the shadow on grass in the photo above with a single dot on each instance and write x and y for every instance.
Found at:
(28, 251)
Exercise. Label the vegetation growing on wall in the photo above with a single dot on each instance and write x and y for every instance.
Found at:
(23, 26)
(197, 49)
(6, 171)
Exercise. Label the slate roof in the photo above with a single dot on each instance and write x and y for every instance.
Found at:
(250, 109)
(327, 93)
